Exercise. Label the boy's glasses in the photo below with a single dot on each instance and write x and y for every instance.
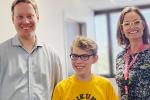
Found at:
(83, 57)
(136, 23)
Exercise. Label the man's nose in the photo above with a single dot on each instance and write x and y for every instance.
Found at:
(26, 20)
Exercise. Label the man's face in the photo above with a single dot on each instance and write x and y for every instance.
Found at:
(25, 20)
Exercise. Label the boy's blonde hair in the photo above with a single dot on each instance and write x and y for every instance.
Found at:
(85, 43)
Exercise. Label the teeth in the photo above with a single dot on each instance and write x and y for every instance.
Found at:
(133, 32)
(25, 28)
(79, 67)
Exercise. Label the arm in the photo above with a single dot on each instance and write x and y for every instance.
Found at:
(55, 67)
(58, 70)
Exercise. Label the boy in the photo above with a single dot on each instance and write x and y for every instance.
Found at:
(84, 85)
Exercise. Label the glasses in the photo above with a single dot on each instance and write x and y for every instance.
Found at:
(83, 57)
(136, 23)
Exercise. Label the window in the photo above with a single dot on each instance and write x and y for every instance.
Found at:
(102, 65)
(115, 48)
(146, 13)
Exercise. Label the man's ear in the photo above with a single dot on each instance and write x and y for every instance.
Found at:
(12, 18)
(37, 18)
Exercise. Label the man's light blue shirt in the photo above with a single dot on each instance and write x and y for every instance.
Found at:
(25, 76)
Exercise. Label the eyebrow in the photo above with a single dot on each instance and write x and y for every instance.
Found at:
(87, 53)
(132, 20)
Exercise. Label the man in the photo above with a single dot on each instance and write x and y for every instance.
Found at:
(84, 85)
(29, 69)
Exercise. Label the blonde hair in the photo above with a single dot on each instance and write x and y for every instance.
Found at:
(85, 43)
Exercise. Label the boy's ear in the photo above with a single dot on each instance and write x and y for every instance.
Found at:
(95, 59)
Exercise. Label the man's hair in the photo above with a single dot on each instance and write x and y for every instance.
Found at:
(85, 43)
(32, 2)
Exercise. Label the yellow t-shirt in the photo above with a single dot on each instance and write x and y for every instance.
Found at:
(98, 88)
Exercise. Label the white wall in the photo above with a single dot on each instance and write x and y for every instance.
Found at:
(78, 11)
(50, 28)
(7, 29)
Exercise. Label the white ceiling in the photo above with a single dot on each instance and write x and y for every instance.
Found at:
(108, 4)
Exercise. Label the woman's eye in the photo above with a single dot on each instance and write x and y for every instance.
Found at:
(126, 24)
(137, 22)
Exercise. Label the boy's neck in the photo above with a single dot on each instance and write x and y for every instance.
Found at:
(84, 78)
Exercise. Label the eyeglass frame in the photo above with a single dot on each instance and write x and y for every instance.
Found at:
(81, 56)
(132, 23)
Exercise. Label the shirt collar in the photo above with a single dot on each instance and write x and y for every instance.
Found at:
(16, 42)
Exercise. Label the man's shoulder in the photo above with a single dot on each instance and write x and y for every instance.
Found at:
(6, 43)
(47, 48)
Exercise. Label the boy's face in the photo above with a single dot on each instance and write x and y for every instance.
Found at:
(82, 61)
(25, 20)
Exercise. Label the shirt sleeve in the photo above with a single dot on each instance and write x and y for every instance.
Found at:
(56, 94)
(58, 70)
(111, 94)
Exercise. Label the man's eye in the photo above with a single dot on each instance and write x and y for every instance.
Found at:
(30, 16)
(19, 17)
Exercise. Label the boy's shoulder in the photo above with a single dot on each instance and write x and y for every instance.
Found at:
(101, 80)
(65, 83)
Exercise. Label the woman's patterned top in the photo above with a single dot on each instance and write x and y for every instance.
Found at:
(139, 76)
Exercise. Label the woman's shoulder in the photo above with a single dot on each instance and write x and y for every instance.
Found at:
(121, 53)
(146, 49)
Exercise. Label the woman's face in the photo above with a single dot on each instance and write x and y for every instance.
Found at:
(132, 26)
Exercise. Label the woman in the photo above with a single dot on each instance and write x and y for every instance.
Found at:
(133, 63)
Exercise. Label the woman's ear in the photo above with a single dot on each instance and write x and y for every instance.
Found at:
(121, 29)
(143, 23)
